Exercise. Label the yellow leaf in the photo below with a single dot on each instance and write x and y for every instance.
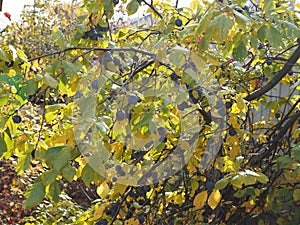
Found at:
(120, 188)
(11, 73)
(214, 199)
(35, 64)
(235, 109)
(132, 221)
(296, 195)
(98, 213)
(118, 149)
(194, 4)
(103, 190)
(179, 199)
(241, 104)
(233, 121)
(200, 199)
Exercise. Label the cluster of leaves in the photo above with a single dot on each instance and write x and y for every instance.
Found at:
(36, 26)
(220, 60)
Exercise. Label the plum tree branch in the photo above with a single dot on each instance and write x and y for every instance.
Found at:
(93, 49)
(288, 125)
(286, 68)
(153, 8)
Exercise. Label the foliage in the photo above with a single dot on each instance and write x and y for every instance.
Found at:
(190, 94)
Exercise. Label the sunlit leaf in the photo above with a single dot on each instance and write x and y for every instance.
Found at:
(214, 199)
(35, 195)
(200, 200)
(103, 190)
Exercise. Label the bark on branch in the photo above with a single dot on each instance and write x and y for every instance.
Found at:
(286, 68)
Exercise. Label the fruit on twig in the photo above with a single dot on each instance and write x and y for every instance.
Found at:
(17, 119)
(178, 22)
(232, 131)
(120, 115)
(132, 99)
(228, 105)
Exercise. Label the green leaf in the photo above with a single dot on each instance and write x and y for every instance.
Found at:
(23, 163)
(261, 33)
(204, 22)
(262, 178)
(132, 7)
(50, 81)
(87, 175)
(68, 173)
(60, 162)
(274, 36)
(268, 7)
(87, 105)
(35, 195)
(222, 24)
(145, 120)
(107, 4)
(58, 37)
(241, 19)
(292, 30)
(54, 191)
(54, 152)
(31, 87)
(70, 68)
(48, 177)
(177, 56)
(3, 147)
(221, 184)
(240, 52)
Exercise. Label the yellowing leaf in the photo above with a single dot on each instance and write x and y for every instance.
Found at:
(179, 199)
(132, 221)
(214, 199)
(118, 149)
(103, 190)
(120, 188)
(296, 195)
(241, 104)
(233, 121)
(11, 73)
(200, 199)
(235, 109)
(98, 213)
(262, 178)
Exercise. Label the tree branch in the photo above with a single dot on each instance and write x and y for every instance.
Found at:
(94, 49)
(286, 68)
(153, 8)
